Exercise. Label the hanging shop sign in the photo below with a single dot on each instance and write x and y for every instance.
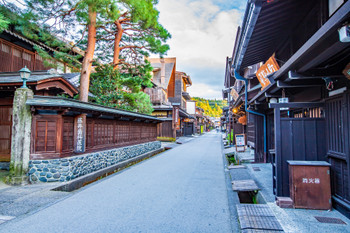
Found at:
(234, 94)
(346, 71)
(188, 120)
(176, 118)
(160, 113)
(269, 67)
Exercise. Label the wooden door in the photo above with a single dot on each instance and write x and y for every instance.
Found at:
(5, 133)
(338, 140)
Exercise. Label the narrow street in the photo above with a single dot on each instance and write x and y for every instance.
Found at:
(179, 190)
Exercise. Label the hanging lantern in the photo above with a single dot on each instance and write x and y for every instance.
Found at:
(243, 120)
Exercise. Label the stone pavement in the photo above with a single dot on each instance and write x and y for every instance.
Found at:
(180, 190)
(291, 220)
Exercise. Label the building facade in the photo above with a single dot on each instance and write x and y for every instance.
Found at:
(289, 75)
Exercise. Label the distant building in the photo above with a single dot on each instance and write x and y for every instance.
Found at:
(169, 98)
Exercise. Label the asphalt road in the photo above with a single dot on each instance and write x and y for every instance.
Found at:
(180, 190)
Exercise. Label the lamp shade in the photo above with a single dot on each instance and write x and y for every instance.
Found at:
(24, 73)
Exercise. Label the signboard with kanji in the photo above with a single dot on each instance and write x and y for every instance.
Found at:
(346, 71)
(79, 133)
(269, 67)
(234, 94)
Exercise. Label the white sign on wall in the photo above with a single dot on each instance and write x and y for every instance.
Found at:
(191, 107)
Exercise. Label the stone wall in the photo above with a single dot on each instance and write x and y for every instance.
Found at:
(66, 169)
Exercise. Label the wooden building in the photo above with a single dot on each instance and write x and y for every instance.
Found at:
(290, 75)
(55, 130)
(169, 97)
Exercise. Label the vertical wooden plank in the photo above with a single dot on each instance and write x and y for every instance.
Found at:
(278, 148)
(59, 134)
(347, 139)
(45, 144)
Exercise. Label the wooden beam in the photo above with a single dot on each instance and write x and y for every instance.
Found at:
(297, 105)
(296, 84)
(295, 76)
(269, 95)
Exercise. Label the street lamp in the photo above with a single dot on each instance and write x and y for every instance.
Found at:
(25, 74)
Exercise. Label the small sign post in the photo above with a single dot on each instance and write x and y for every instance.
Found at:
(240, 142)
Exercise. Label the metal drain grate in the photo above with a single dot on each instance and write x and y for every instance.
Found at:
(330, 220)
(256, 169)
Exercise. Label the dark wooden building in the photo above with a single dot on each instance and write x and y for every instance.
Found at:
(294, 67)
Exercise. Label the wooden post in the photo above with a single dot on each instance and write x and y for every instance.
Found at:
(278, 155)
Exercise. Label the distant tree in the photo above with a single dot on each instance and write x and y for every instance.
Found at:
(122, 89)
(211, 108)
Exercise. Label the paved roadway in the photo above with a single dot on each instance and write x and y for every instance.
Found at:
(180, 190)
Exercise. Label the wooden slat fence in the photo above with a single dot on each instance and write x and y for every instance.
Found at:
(53, 135)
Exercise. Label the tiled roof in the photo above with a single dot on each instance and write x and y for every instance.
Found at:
(49, 101)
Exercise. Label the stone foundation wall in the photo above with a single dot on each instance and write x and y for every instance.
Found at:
(66, 169)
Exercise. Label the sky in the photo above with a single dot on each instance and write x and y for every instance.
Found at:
(203, 34)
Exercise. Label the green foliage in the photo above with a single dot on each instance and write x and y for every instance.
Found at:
(3, 22)
(50, 48)
(122, 89)
(142, 33)
(212, 108)
(231, 160)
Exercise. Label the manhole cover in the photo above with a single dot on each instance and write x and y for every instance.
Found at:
(256, 169)
(330, 220)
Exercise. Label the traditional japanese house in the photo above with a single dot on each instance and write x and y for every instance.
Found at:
(169, 98)
(41, 133)
(292, 58)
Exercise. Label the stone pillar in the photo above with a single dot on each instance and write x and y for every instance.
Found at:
(21, 134)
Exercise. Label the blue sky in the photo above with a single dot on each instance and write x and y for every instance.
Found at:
(203, 33)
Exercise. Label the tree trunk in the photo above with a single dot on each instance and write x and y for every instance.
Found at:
(88, 58)
(117, 39)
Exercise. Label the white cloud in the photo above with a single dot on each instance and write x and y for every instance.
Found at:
(205, 90)
(202, 34)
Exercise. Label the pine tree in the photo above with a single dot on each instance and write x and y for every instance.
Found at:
(3, 23)
(67, 17)
(133, 34)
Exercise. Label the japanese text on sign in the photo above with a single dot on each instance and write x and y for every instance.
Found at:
(311, 180)
(80, 134)
(268, 68)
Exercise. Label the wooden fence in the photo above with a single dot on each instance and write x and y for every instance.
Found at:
(53, 135)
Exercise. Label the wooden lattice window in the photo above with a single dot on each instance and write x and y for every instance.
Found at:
(27, 56)
(5, 48)
(46, 133)
(68, 134)
(16, 53)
